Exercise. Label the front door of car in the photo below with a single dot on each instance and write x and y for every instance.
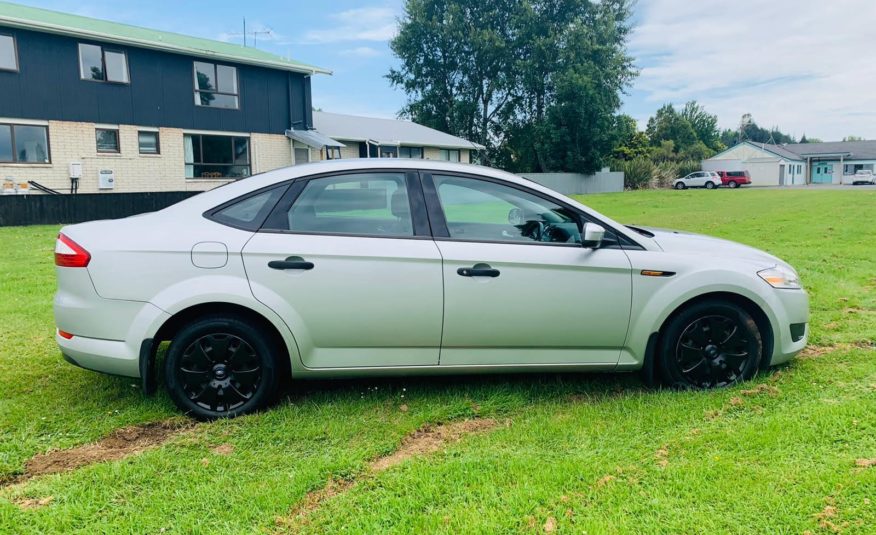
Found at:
(697, 179)
(519, 288)
(348, 263)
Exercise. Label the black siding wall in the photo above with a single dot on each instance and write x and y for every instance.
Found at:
(47, 86)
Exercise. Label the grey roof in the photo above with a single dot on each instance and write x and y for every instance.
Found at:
(313, 138)
(851, 150)
(386, 131)
(778, 150)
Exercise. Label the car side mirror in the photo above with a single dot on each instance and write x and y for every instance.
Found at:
(592, 235)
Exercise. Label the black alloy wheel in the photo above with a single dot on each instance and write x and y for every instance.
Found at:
(710, 345)
(220, 367)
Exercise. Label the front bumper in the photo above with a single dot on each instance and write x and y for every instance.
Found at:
(792, 309)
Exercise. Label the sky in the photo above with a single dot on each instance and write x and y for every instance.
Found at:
(805, 66)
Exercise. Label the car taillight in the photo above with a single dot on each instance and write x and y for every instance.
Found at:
(68, 253)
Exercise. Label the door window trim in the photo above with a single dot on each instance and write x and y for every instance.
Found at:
(440, 231)
(419, 218)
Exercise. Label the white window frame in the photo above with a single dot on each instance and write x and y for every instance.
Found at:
(103, 52)
(14, 54)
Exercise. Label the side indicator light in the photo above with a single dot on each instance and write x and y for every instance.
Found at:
(655, 273)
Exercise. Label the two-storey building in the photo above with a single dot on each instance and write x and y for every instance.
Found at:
(113, 107)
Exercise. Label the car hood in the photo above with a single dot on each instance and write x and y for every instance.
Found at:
(677, 241)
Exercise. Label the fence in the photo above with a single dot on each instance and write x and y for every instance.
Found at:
(577, 184)
(18, 210)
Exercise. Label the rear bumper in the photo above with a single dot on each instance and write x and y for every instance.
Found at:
(107, 334)
(107, 356)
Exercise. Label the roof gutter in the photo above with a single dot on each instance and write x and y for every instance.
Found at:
(25, 24)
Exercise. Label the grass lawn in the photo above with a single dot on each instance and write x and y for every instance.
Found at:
(571, 453)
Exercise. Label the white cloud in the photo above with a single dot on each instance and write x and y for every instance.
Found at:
(804, 66)
(359, 24)
(360, 52)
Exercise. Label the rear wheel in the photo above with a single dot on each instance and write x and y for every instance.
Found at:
(734, 185)
(710, 185)
(710, 344)
(221, 366)
(680, 185)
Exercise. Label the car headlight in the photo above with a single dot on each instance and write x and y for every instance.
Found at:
(781, 277)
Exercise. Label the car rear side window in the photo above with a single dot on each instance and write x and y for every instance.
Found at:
(250, 211)
(361, 204)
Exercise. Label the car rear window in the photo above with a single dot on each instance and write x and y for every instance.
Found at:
(248, 212)
(736, 173)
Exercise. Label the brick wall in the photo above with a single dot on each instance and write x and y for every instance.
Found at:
(75, 142)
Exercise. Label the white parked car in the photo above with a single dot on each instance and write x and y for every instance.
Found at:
(380, 267)
(699, 179)
(863, 176)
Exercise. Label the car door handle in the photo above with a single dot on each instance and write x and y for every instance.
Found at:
(290, 264)
(478, 271)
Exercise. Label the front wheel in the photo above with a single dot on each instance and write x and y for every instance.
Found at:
(710, 185)
(734, 185)
(679, 185)
(221, 366)
(710, 344)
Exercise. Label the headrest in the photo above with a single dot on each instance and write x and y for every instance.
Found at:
(399, 204)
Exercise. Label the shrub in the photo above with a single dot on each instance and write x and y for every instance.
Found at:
(637, 172)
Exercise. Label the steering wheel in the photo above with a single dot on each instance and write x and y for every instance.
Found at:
(533, 230)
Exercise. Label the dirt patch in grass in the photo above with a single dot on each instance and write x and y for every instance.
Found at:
(430, 439)
(811, 352)
(120, 443)
(424, 441)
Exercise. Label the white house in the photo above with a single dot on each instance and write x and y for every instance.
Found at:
(797, 163)
(336, 135)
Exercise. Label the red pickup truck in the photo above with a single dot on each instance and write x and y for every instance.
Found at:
(734, 179)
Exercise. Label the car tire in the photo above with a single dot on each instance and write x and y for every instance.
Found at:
(734, 185)
(680, 185)
(710, 185)
(221, 367)
(710, 344)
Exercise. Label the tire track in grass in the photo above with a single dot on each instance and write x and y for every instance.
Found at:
(121, 443)
(424, 441)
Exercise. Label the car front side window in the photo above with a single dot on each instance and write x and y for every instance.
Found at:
(482, 210)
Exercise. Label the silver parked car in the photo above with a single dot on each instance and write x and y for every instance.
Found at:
(699, 179)
(379, 267)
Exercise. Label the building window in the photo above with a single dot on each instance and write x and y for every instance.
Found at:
(22, 143)
(216, 86)
(8, 53)
(99, 64)
(450, 155)
(301, 155)
(107, 140)
(332, 153)
(411, 152)
(216, 156)
(148, 142)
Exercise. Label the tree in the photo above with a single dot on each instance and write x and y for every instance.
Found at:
(854, 138)
(704, 124)
(538, 82)
(669, 125)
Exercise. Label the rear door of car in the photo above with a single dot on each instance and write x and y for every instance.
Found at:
(348, 262)
(512, 299)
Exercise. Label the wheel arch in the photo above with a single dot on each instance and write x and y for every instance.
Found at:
(757, 314)
(183, 317)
